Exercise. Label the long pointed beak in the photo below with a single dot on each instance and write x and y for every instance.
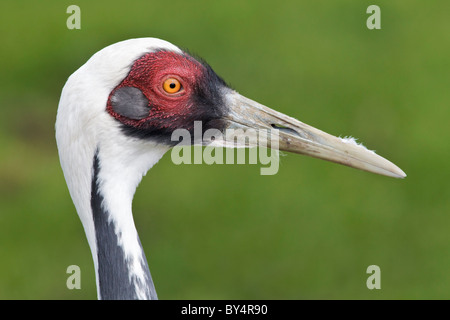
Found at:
(298, 137)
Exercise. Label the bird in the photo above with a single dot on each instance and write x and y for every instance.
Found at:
(115, 120)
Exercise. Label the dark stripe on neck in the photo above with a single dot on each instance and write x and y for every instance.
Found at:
(113, 268)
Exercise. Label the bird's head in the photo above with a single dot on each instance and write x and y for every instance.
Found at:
(145, 89)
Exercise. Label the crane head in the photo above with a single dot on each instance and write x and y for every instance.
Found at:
(145, 89)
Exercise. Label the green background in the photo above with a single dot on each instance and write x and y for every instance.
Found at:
(224, 231)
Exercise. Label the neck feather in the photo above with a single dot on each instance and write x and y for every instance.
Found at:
(122, 267)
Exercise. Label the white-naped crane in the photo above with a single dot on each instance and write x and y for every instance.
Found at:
(115, 119)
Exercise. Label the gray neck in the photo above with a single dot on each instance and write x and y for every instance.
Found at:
(122, 273)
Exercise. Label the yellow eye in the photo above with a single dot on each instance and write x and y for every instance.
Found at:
(171, 85)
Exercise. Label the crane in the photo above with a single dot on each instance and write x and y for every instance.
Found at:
(115, 119)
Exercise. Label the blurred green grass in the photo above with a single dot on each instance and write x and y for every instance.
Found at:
(225, 232)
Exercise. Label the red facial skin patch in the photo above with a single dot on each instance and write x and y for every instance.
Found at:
(200, 97)
(148, 75)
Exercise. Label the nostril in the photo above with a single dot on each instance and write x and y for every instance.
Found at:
(277, 126)
(285, 129)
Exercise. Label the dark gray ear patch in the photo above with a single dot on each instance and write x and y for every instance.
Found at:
(130, 102)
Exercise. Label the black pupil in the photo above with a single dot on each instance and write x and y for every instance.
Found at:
(172, 85)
